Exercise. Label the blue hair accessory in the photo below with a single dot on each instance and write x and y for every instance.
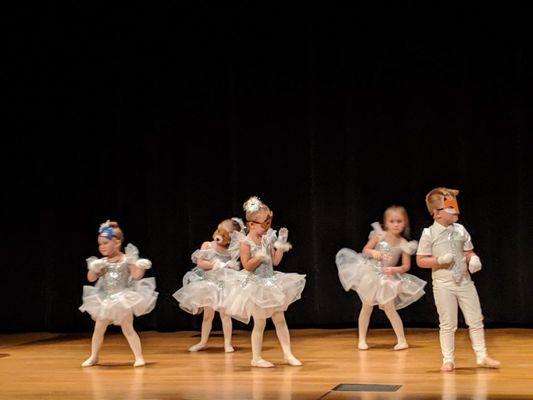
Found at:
(106, 230)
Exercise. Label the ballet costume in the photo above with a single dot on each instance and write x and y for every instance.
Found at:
(205, 290)
(263, 291)
(116, 295)
(116, 298)
(362, 274)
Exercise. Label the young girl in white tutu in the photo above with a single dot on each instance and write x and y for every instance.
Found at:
(376, 276)
(119, 293)
(261, 292)
(204, 287)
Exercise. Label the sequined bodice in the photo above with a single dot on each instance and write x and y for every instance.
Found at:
(116, 277)
(389, 254)
(265, 269)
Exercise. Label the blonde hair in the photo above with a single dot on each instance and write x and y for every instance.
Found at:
(235, 226)
(435, 198)
(401, 210)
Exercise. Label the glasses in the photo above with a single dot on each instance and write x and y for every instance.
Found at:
(266, 223)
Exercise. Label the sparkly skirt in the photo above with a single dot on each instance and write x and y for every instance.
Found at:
(204, 289)
(258, 297)
(138, 298)
(363, 274)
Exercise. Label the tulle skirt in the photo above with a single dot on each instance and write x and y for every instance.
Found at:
(138, 298)
(204, 289)
(363, 274)
(258, 297)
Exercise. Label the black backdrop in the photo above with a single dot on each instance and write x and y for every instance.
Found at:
(166, 118)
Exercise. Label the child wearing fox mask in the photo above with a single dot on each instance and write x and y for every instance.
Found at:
(204, 287)
(446, 248)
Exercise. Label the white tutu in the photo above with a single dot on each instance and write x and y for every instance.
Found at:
(363, 274)
(264, 291)
(139, 298)
(116, 294)
(262, 297)
(203, 288)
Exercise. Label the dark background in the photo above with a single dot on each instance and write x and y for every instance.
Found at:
(167, 118)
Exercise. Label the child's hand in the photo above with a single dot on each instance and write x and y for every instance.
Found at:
(283, 235)
(281, 243)
(474, 265)
(261, 255)
(95, 265)
(445, 259)
(217, 264)
(233, 264)
(376, 255)
(388, 270)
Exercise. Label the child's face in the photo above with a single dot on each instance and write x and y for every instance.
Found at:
(446, 215)
(394, 222)
(262, 222)
(108, 247)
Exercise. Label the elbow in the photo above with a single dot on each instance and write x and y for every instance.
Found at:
(247, 266)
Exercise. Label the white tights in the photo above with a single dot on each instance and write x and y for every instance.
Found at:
(100, 328)
(207, 324)
(392, 315)
(282, 331)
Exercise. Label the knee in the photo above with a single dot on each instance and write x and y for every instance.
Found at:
(127, 329)
(448, 326)
(259, 323)
(278, 318)
(476, 323)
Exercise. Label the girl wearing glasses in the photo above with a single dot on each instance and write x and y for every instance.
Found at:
(262, 292)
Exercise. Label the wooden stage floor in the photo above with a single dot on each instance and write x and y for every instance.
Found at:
(47, 366)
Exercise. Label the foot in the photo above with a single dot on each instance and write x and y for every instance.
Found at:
(401, 346)
(489, 363)
(447, 367)
(198, 347)
(291, 360)
(228, 348)
(261, 363)
(362, 345)
(89, 362)
(139, 362)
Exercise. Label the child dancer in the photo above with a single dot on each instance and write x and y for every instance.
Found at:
(262, 292)
(377, 278)
(203, 287)
(119, 293)
(446, 248)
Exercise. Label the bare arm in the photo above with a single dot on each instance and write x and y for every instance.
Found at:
(248, 262)
(92, 276)
(202, 263)
(277, 255)
(136, 272)
(370, 246)
(400, 269)
(427, 262)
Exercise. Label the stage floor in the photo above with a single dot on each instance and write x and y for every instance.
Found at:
(47, 366)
